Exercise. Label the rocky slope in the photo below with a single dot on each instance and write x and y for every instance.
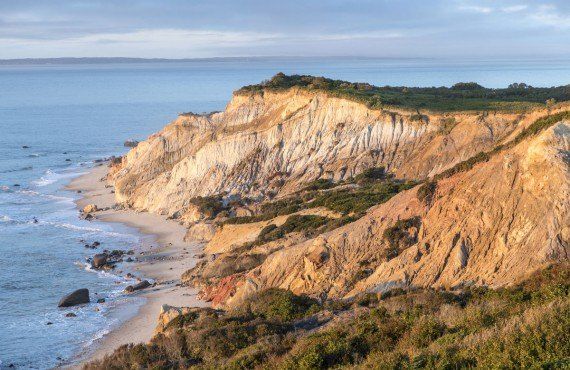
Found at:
(490, 223)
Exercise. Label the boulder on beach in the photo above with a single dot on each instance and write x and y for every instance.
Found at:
(80, 296)
(99, 260)
(90, 208)
(142, 285)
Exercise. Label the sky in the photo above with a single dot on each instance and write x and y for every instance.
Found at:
(232, 28)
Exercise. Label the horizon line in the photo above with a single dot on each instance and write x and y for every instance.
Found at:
(99, 59)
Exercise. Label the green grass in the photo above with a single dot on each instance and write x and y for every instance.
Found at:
(460, 97)
(523, 326)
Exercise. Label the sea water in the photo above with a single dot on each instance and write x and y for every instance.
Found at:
(70, 115)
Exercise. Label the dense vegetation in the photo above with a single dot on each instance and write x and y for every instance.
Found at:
(460, 97)
(373, 186)
(524, 326)
(294, 223)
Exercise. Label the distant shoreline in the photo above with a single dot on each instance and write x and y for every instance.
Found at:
(115, 60)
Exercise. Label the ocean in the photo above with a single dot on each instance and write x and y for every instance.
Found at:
(55, 120)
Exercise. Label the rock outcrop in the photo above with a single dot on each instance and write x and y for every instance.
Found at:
(80, 296)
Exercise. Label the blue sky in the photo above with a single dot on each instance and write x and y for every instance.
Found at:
(221, 28)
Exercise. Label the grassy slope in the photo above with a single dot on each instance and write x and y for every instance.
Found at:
(521, 326)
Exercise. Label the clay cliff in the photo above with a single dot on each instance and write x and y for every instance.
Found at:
(270, 144)
(476, 198)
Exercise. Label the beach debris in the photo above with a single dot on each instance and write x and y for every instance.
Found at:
(80, 296)
(90, 208)
(131, 143)
(142, 285)
(70, 314)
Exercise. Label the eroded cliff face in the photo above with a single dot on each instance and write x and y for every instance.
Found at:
(487, 225)
(271, 144)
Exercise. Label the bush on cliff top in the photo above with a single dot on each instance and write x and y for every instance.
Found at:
(460, 97)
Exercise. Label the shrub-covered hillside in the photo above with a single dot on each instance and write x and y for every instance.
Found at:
(524, 326)
(461, 96)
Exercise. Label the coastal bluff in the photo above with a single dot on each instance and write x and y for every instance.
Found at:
(495, 210)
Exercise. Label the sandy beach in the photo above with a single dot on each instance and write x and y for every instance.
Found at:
(166, 256)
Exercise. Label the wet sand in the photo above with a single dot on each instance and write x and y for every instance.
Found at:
(166, 257)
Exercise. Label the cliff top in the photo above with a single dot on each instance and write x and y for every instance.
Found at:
(463, 96)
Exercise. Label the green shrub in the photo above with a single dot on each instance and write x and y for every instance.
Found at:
(461, 97)
(426, 192)
(425, 331)
(209, 206)
(371, 175)
(398, 236)
(319, 184)
(282, 305)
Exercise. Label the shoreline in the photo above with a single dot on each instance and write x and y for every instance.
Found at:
(166, 257)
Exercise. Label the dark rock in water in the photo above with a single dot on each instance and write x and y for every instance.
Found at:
(117, 253)
(101, 300)
(131, 143)
(94, 245)
(67, 160)
(70, 314)
(64, 153)
(80, 296)
(17, 185)
(25, 147)
(88, 217)
(142, 285)
(78, 191)
(99, 260)
(49, 323)
(129, 259)
(131, 252)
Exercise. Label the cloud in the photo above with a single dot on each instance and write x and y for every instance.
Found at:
(186, 29)
(202, 43)
(476, 9)
(550, 16)
(514, 8)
